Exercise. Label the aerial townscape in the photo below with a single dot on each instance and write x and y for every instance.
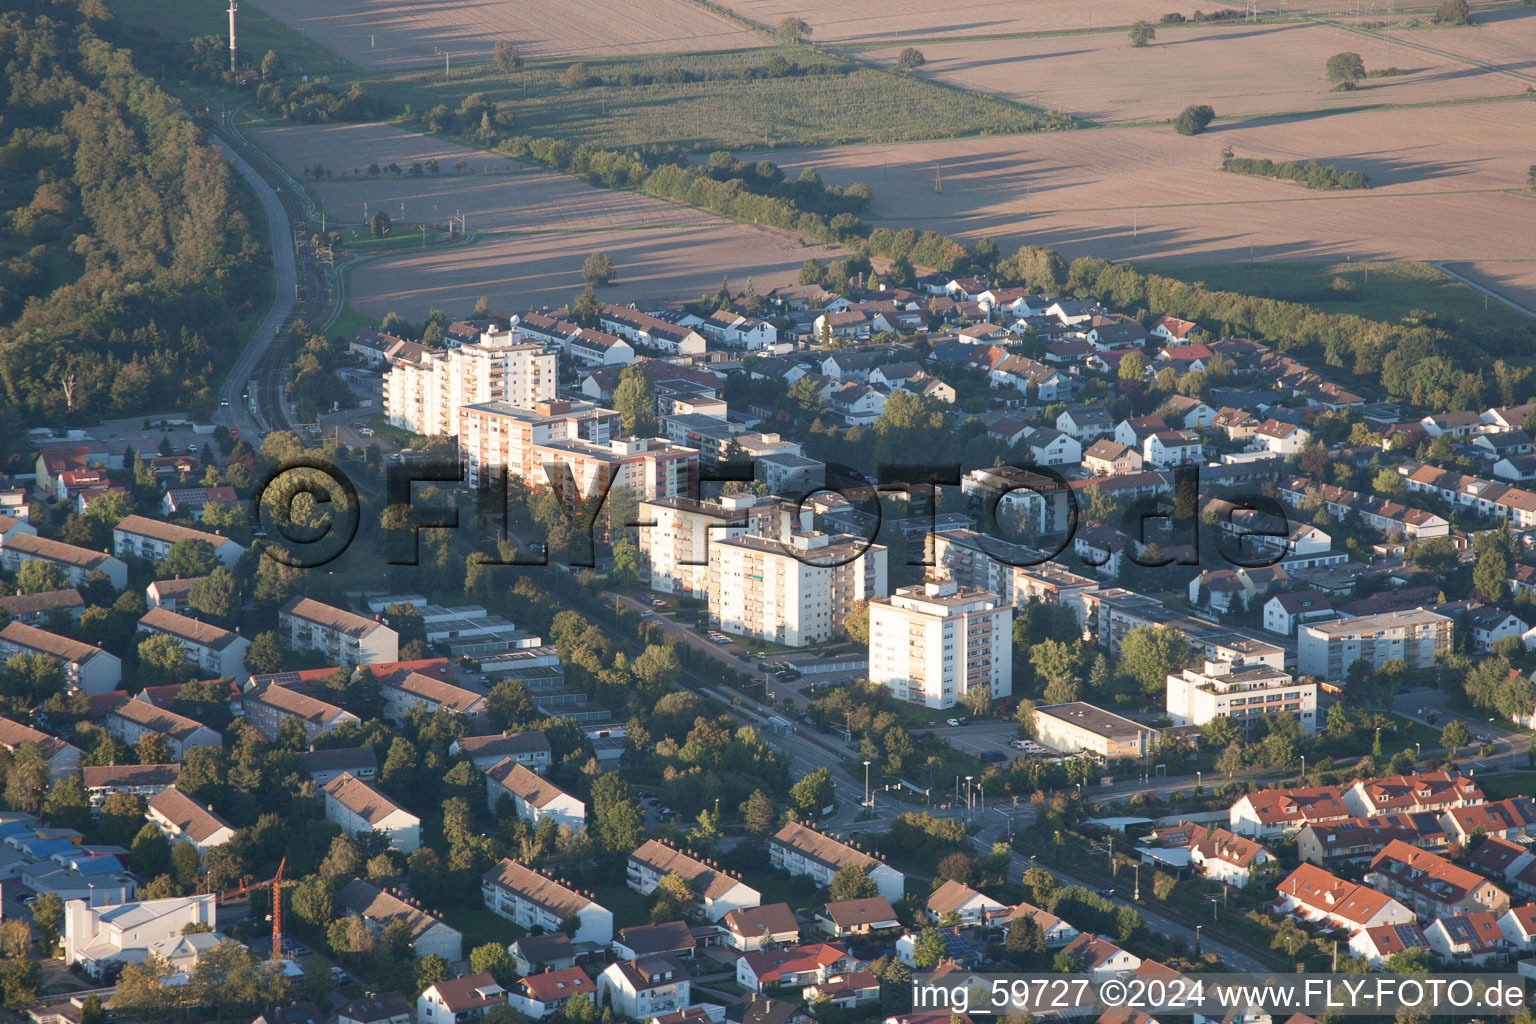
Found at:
(723, 510)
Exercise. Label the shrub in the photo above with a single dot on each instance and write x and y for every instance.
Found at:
(1194, 119)
(1142, 33)
(1453, 12)
(577, 76)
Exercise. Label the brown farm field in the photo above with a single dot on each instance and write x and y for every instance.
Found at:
(905, 22)
(389, 34)
(493, 193)
(522, 271)
(1448, 187)
(1238, 69)
(1506, 38)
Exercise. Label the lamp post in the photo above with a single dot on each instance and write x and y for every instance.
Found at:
(1199, 779)
(1197, 940)
(1303, 767)
(866, 783)
(1136, 892)
(968, 779)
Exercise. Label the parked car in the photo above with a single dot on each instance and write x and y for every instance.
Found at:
(952, 722)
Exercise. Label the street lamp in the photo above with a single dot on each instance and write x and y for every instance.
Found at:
(866, 783)
(1197, 940)
(1303, 767)
(1136, 892)
(968, 779)
(1199, 779)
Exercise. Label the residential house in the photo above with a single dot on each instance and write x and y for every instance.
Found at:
(668, 938)
(76, 563)
(792, 967)
(418, 690)
(130, 720)
(1464, 939)
(380, 908)
(98, 939)
(968, 905)
(1278, 437)
(1313, 894)
(89, 669)
(63, 758)
(1056, 931)
(41, 608)
(752, 928)
(802, 850)
(531, 899)
(376, 1008)
(215, 652)
(642, 989)
(529, 749)
(1086, 423)
(1512, 819)
(1431, 885)
(327, 763)
(1274, 812)
(1376, 944)
(1111, 458)
(715, 891)
(460, 1000)
(305, 624)
(534, 797)
(172, 595)
(1101, 958)
(141, 780)
(359, 808)
(1185, 413)
(1284, 612)
(185, 820)
(1357, 840)
(1173, 448)
(1229, 859)
(1421, 791)
(268, 706)
(839, 918)
(152, 540)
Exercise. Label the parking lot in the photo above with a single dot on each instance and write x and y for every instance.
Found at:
(116, 435)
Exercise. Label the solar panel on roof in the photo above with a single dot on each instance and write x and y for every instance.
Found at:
(1347, 826)
(1426, 821)
(1407, 934)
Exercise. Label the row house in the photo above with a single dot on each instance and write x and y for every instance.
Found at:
(268, 706)
(1375, 945)
(78, 565)
(1513, 819)
(716, 892)
(360, 809)
(534, 797)
(88, 669)
(214, 651)
(1356, 840)
(802, 850)
(533, 900)
(1430, 884)
(651, 331)
(1468, 939)
(343, 637)
(1312, 894)
(152, 540)
(130, 720)
(1422, 791)
(1270, 813)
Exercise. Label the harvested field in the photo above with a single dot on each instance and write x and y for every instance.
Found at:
(1238, 69)
(1448, 186)
(1506, 38)
(493, 193)
(523, 271)
(911, 22)
(403, 33)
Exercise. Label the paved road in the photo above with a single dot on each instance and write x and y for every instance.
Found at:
(232, 410)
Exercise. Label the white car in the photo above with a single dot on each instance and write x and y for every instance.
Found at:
(365, 431)
(952, 722)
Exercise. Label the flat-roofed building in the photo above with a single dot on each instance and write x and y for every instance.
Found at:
(86, 668)
(932, 644)
(499, 436)
(214, 651)
(424, 395)
(152, 540)
(1415, 637)
(1080, 726)
(1222, 690)
(76, 563)
(346, 638)
(359, 808)
(674, 549)
(793, 592)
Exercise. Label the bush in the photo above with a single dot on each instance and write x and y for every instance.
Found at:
(1194, 119)
(1172, 19)
(1142, 33)
(1324, 177)
(598, 268)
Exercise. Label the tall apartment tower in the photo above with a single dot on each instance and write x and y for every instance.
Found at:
(930, 644)
(425, 397)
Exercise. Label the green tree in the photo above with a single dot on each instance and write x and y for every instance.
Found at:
(68, 805)
(757, 814)
(216, 595)
(812, 793)
(508, 59)
(577, 76)
(162, 659)
(792, 30)
(1149, 654)
(150, 854)
(856, 622)
(378, 225)
(492, 958)
(1194, 119)
(928, 949)
(1454, 736)
(48, 918)
(1453, 12)
(39, 577)
(910, 59)
(1490, 577)
(598, 269)
(1133, 367)
(1345, 68)
(265, 654)
(1142, 33)
(188, 558)
(271, 66)
(634, 399)
(852, 882)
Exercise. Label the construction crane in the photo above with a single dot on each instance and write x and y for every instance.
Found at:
(276, 882)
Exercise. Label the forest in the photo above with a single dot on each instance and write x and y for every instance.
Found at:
(127, 251)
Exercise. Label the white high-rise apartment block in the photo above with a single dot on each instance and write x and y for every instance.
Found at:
(501, 435)
(793, 591)
(424, 397)
(930, 644)
(675, 548)
(1241, 693)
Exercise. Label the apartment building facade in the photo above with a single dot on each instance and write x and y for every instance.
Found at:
(933, 643)
(152, 540)
(502, 436)
(1415, 636)
(675, 546)
(796, 591)
(1243, 694)
(216, 652)
(424, 396)
(346, 638)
